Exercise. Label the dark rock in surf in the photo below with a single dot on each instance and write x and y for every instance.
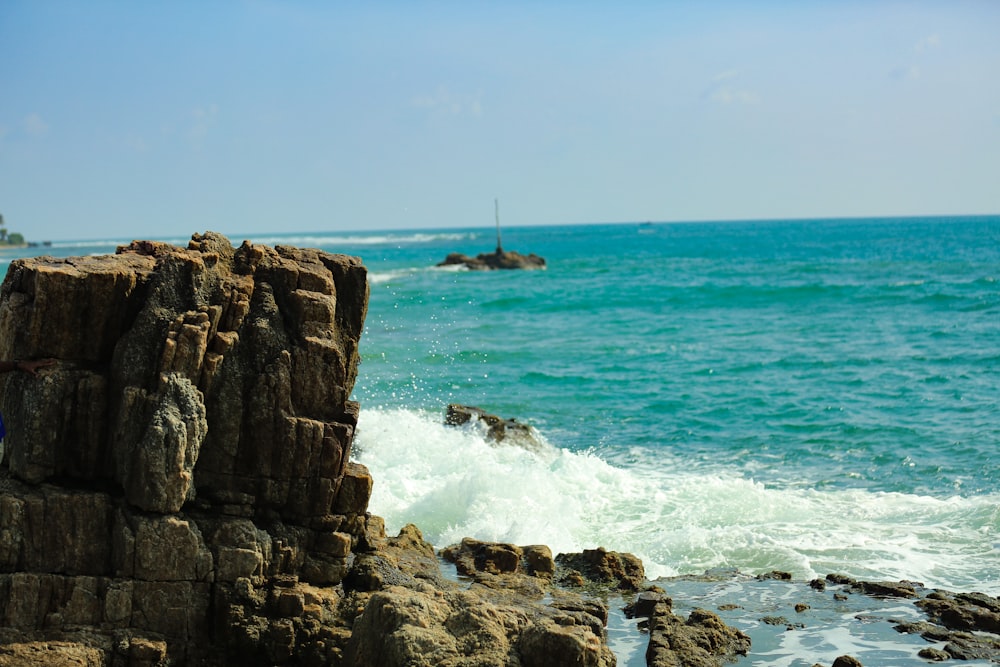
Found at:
(963, 611)
(498, 429)
(495, 260)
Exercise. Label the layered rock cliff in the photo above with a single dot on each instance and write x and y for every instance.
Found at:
(188, 457)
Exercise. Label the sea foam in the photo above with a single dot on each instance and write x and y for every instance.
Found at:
(679, 519)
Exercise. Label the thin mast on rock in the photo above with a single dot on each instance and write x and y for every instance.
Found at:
(496, 206)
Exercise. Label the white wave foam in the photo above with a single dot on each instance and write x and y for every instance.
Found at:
(298, 240)
(379, 277)
(107, 243)
(454, 268)
(350, 239)
(452, 484)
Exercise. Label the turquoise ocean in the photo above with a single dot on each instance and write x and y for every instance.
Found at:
(809, 396)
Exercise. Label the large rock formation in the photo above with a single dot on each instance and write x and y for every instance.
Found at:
(182, 473)
(177, 488)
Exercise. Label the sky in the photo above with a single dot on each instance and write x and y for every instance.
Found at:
(156, 119)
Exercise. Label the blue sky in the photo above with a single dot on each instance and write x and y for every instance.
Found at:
(153, 119)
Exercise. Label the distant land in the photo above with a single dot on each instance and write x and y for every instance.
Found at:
(15, 239)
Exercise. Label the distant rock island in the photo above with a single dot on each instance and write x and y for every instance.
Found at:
(498, 259)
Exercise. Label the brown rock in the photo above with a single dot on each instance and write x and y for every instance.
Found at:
(847, 661)
(645, 604)
(702, 640)
(554, 645)
(51, 654)
(157, 470)
(619, 570)
(34, 523)
(190, 447)
(933, 654)
(891, 589)
(402, 626)
(254, 338)
(964, 611)
(472, 557)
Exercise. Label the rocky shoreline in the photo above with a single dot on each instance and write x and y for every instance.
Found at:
(178, 489)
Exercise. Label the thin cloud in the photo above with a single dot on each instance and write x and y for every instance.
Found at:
(445, 101)
(727, 96)
(203, 119)
(929, 42)
(136, 143)
(911, 72)
(35, 125)
(725, 76)
(720, 91)
(904, 73)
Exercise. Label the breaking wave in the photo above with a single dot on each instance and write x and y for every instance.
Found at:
(677, 518)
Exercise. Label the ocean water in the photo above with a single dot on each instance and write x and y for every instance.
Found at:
(810, 396)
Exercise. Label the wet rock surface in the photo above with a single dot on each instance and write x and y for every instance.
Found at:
(503, 611)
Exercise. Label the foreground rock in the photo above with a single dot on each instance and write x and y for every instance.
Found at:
(702, 640)
(178, 487)
(507, 614)
(500, 259)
